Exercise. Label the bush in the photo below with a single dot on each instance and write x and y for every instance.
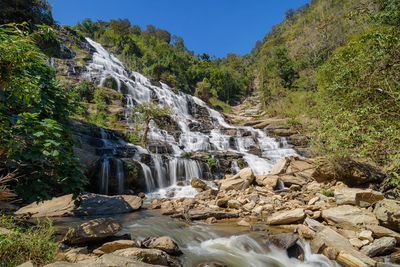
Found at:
(37, 243)
(186, 154)
(212, 163)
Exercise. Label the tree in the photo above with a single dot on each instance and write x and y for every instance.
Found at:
(203, 90)
(120, 26)
(145, 113)
(34, 112)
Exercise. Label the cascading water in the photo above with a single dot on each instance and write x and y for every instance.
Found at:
(138, 89)
(104, 175)
(120, 176)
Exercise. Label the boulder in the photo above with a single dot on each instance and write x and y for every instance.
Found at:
(289, 180)
(152, 256)
(388, 213)
(268, 181)
(366, 235)
(302, 168)
(91, 231)
(239, 181)
(91, 204)
(380, 231)
(196, 214)
(349, 217)
(197, 183)
(368, 197)
(111, 260)
(234, 204)
(381, 246)
(222, 202)
(346, 196)
(167, 208)
(280, 167)
(350, 171)
(164, 243)
(284, 240)
(286, 217)
(211, 264)
(330, 238)
(112, 246)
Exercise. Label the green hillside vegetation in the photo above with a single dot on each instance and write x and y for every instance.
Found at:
(333, 68)
(157, 54)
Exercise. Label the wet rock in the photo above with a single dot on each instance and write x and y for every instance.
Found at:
(93, 230)
(381, 246)
(286, 217)
(388, 213)
(284, 240)
(395, 257)
(211, 264)
(334, 240)
(167, 208)
(349, 217)
(110, 247)
(152, 256)
(164, 243)
(243, 223)
(197, 183)
(204, 214)
(211, 220)
(91, 204)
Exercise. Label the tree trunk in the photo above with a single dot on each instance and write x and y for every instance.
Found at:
(146, 130)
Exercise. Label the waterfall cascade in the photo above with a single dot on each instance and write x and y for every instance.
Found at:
(219, 136)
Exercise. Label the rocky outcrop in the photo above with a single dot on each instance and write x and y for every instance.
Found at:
(91, 204)
(164, 243)
(91, 231)
(388, 213)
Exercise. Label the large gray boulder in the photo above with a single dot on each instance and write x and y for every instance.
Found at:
(388, 213)
(91, 204)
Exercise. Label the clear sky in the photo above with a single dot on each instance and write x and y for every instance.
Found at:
(216, 27)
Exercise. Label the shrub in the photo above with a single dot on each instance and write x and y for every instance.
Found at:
(37, 243)
(186, 154)
(212, 163)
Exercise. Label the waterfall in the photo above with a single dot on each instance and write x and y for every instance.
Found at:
(104, 175)
(120, 176)
(186, 109)
(235, 167)
(148, 177)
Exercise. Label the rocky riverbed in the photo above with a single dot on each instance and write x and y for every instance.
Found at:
(300, 202)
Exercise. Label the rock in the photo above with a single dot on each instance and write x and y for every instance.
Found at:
(211, 264)
(380, 231)
(346, 196)
(289, 180)
(152, 256)
(93, 230)
(239, 181)
(355, 242)
(334, 240)
(249, 206)
(280, 167)
(348, 260)
(381, 246)
(350, 171)
(197, 183)
(368, 197)
(204, 214)
(286, 217)
(284, 240)
(388, 213)
(302, 168)
(234, 204)
(258, 209)
(349, 217)
(167, 208)
(395, 257)
(26, 264)
(222, 202)
(366, 235)
(211, 220)
(243, 223)
(268, 181)
(91, 204)
(77, 254)
(312, 201)
(164, 243)
(112, 246)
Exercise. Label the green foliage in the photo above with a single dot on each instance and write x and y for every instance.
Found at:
(146, 112)
(34, 119)
(37, 243)
(241, 163)
(132, 169)
(328, 193)
(212, 163)
(32, 11)
(359, 93)
(186, 154)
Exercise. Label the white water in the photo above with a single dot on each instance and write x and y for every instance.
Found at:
(139, 89)
(120, 176)
(104, 176)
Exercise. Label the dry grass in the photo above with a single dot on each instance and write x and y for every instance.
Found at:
(6, 195)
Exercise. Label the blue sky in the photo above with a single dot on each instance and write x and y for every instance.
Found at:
(216, 27)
